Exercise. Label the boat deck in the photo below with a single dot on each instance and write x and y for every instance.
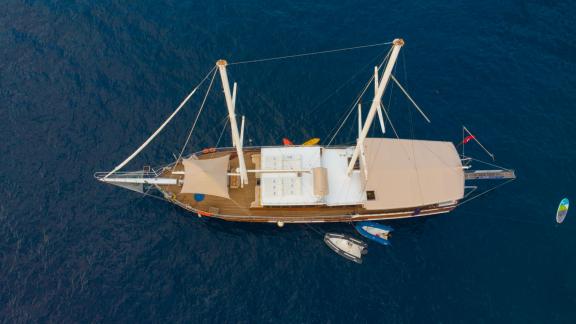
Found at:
(244, 205)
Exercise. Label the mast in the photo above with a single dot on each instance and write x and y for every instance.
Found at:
(397, 44)
(230, 103)
(380, 116)
(234, 88)
(362, 157)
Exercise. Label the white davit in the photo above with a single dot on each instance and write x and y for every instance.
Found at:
(348, 247)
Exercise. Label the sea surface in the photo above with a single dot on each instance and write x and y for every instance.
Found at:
(83, 83)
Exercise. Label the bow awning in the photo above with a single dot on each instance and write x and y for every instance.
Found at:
(207, 176)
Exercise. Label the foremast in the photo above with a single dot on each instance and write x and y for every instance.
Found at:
(231, 103)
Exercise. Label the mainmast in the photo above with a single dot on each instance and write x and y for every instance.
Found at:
(231, 103)
(376, 103)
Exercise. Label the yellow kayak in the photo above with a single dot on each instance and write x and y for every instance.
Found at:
(311, 142)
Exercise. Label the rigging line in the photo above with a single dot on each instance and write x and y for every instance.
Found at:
(146, 194)
(223, 130)
(473, 188)
(391, 124)
(358, 98)
(490, 164)
(409, 98)
(411, 121)
(379, 145)
(485, 192)
(390, 104)
(411, 118)
(119, 166)
(308, 54)
(505, 218)
(313, 110)
(314, 229)
(395, 133)
(345, 118)
(477, 141)
(389, 120)
(350, 110)
(404, 64)
(196, 119)
(206, 135)
(322, 102)
(353, 106)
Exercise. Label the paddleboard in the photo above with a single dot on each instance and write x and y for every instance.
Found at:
(562, 210)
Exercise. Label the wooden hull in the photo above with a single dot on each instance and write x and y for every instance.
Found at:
(317, 215)
(242, 205)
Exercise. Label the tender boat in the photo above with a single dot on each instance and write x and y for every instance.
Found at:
(374, 231)
(348, 247)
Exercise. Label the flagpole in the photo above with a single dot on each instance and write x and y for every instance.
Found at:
(462, 140)
(482, 146)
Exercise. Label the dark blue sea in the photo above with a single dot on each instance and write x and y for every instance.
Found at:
(83, 83)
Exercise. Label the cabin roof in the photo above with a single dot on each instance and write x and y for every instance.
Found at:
(343, 190)
(410, 173)
(208, 176)
(286, 188)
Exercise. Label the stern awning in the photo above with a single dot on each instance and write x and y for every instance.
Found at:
(411, 173)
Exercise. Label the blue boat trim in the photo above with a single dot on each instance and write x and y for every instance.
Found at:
(375, 238)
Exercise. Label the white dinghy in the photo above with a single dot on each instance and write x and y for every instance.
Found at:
(348, 247)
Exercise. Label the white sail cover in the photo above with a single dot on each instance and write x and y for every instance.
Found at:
(411, 173)
(209, 176)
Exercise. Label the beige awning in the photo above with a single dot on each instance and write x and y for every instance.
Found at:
(412, 173)
(209, 176)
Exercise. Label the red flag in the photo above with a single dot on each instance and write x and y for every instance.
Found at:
(287, 142)
(468, 139)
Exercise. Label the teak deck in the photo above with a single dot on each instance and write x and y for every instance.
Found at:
(242, 205)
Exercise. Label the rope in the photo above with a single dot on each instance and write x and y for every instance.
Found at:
(477, 141)
(308, 54)
(322, 102)
(347, 116)
(119, 166)
(355, 103)
(488, 163)
(222, 132)
(409, 98)
(204, 137)
(412, 132)
(314, 229)
(499, 218)
(485, 192)
(196, 119)
(389, 120)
